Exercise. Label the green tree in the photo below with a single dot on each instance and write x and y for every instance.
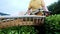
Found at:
(55, 7)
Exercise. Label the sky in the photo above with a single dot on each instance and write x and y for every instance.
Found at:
(18, 7)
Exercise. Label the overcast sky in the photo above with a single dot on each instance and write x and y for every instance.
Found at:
(17, 7)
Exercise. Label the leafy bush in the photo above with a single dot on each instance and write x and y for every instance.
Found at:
(19, 30)
(52, 24)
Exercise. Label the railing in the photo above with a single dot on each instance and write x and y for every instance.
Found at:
(7, 21)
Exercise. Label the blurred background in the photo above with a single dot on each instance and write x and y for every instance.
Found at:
(18, 7)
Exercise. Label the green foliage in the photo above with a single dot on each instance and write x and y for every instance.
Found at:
(52, 24)
(55, 7)
(19, 30)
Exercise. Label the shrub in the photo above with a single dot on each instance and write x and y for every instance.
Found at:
(19, 30)
(52, 24)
